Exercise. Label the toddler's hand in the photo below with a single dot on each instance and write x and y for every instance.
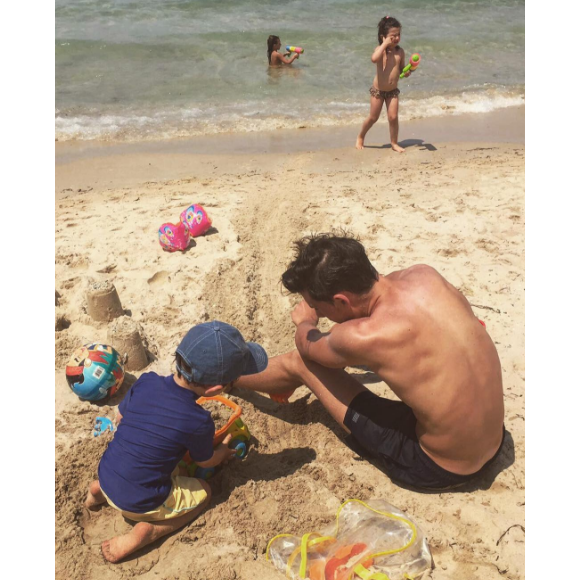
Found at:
(225, 452)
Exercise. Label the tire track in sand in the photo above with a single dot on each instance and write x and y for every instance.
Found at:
(260, 309)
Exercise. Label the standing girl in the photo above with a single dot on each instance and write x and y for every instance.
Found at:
(389, 58)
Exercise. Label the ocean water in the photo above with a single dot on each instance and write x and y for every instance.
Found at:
(130, 70)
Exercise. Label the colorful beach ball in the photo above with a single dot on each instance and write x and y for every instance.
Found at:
(94, 372)
(196, 219)
(174, 237)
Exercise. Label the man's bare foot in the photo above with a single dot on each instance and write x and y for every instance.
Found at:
(120, 547)
(95, 496)
(397, 148)
(360, 143)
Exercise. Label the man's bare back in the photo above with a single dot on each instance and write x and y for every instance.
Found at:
(424, 341)
(417, 333)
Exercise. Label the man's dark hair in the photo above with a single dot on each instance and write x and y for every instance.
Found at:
(326, 264)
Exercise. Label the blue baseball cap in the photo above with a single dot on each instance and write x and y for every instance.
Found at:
(217, 354)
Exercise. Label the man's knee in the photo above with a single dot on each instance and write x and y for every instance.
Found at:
(297, 366)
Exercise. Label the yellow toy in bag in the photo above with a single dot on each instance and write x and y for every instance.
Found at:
(370, 541)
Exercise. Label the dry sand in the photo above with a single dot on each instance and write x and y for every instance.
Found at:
(456, 206)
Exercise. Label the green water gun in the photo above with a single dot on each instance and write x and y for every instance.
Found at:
(413, 64)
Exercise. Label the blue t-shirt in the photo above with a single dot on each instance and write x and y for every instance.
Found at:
(161, 421)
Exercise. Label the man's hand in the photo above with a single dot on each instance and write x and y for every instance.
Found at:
(303, 313)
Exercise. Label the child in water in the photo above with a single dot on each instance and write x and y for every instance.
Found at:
(274, 57)
(390, 60)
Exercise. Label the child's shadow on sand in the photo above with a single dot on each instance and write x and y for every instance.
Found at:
(406, 143)
(258, 467)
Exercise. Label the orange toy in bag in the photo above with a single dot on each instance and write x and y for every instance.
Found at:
(370, 541)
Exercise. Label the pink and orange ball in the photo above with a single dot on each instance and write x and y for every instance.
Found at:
(194, 222)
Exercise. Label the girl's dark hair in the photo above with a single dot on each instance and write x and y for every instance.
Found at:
(385, 24)
(272, 40)
(326, 264)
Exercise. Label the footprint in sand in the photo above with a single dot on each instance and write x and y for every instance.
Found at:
(488, 246)
(449, 252)
(61, 322)
(158, 279)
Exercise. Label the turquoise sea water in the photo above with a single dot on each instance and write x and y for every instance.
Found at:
(153, 69)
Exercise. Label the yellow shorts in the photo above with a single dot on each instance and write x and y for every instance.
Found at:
(186, 494)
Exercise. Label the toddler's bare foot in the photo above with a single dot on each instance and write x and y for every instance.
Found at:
(95, 496)
(110, 552)
(106, 549)
(360, 143)
(397, 148)
(120, 547)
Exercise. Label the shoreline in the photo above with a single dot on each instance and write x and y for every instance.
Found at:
(91, 165)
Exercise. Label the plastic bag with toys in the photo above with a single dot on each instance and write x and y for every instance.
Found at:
(369, 541)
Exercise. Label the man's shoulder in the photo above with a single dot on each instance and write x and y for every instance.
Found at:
(356, 334)
(420, 271)
(418, 274)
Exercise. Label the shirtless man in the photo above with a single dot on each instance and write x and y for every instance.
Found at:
(419, 335)
(389, 58)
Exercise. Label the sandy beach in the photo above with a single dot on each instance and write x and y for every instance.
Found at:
(453, 200)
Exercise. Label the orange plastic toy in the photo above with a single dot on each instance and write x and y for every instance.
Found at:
(235, 426)
(282, 398)
(336, 568)
(220, 434)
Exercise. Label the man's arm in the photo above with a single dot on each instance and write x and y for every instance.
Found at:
(328, 349)
(343, 346)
